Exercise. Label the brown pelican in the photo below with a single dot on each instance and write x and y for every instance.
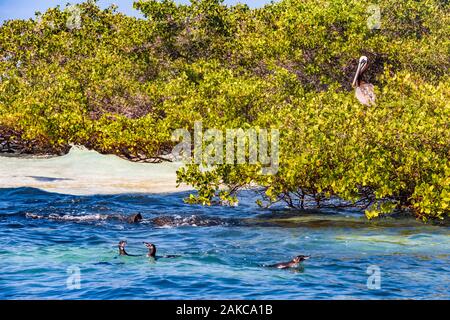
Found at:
(363, 90)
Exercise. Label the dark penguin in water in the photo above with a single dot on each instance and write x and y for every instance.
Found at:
(152, 251)
(122, 251)
(294, 263)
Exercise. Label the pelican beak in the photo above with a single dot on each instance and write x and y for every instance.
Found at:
(355, 80)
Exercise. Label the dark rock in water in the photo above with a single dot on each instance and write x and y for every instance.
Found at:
(69, 218)
(135, 218)
(162, 221)
(194, 220)
(33, 216)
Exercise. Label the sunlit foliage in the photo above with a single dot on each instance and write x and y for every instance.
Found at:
(121, 85)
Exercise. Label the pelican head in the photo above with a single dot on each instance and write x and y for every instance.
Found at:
(362, 66)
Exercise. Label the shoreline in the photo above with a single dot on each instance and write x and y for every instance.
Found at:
(87, 172)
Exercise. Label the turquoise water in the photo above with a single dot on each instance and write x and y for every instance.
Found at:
(222, 261)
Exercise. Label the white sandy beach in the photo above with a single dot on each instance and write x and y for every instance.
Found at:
(85, 172)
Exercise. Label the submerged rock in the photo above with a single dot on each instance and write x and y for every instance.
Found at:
(194, 220)
(135, 218)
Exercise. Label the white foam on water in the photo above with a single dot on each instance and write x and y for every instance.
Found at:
(86, 172)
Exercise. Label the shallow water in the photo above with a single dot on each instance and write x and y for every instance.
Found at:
(221, 261)
(46, 236)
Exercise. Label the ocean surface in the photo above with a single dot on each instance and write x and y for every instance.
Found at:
(58, 245)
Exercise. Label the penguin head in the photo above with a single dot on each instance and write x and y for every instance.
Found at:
(151, 248)
(300, 258)
(122, 244)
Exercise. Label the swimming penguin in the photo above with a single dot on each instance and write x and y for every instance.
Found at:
(122, 251)
(152, 251)
(291, 264)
